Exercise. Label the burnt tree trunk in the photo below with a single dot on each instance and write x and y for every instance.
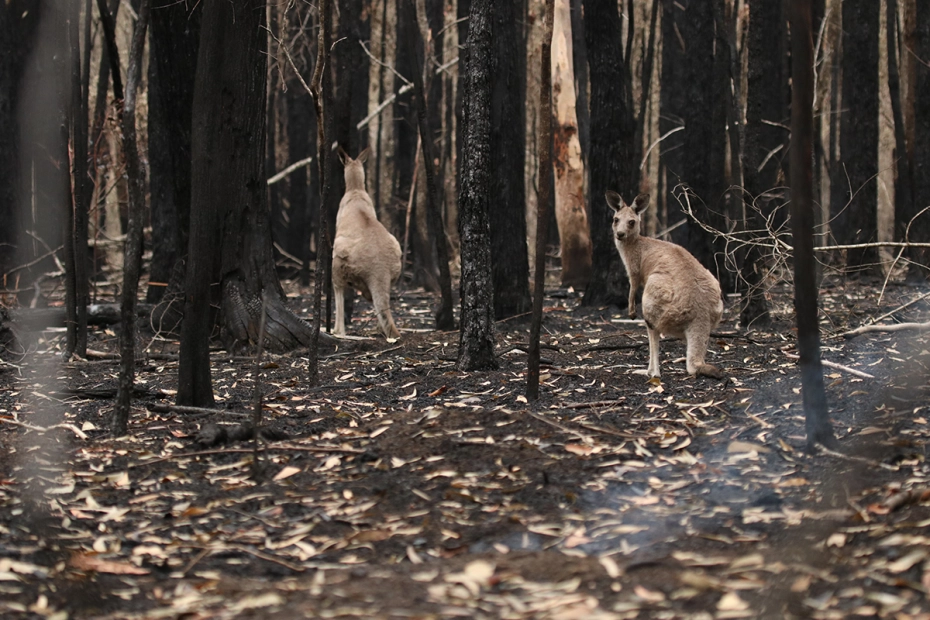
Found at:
(132, 261)
(174, 38)
(230, 252)
(613, 159)
(920, 229)
(673, 99)
(904, 179)
(509, 259)
(543, 207)
(854, 217)
(19, 21)
(763, 149)
(814, 395)
(703, 170)
(476, 341)
(444, 317)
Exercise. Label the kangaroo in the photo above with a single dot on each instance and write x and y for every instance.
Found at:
(365, 255)
(680, 297)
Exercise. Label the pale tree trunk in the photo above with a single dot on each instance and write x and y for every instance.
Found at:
(570, 214)
(386, 135)
(450, 51)
(118, 195)
(535, 32)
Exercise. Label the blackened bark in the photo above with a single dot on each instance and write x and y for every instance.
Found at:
(614, 158)
(299, 128)
(230, 237)
(321, 88)
(764, 136)
(814, 395)
(544, 204)
(108, 21)
(19, 20)
(854, 191)
(78, 283)
(904, 178)
(673, 99)
(174, 38)
(509, 258)
(920, 229)
(132, 262)
(476, 342)
(703, 168)
(444, 317)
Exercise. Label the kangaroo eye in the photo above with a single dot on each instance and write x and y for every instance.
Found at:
(630, 224)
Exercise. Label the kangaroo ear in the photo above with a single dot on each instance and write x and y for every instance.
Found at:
(641, 203)
(614, 201)
(363, 156)
(343, 156)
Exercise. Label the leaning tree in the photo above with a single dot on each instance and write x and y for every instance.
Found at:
(230, 260)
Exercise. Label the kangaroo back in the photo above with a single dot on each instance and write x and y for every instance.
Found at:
(365, 255)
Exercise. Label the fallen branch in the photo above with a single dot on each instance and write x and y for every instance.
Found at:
(283, 448)
(913, 496)
(297, 164)
(857, 459)
(897, 327)
(852, 371)
(45, 429)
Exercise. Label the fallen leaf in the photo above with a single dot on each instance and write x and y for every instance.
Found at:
(286, 472)
(85, 561)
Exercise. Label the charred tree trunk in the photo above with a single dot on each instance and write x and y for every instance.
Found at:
(814, 395)
(764, 145)
(904, 178)
(132, 263)
(321, 88)
(19, 21)
(854, 218)
(920, 229)
(507, 211)
(230, 252)
(543, 206)
(613, 157)
(571, 217)
(704, 159)
(476, 341)
(80, 189)
(174, 38)
(673, 100)
(444, 317)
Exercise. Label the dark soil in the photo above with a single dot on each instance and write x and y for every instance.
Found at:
(403, 487)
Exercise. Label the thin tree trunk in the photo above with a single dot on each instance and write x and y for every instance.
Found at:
(814, 396)
(322, 97)
(571, 217)
(545, 181)
(78, 230)
(133, 259)
(904, 186)
(444, 318)
(476, 341)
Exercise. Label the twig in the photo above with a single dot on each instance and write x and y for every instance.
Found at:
(297, 164)
(556, 425)
(268, 558)
(899, 500)
(901, 307)
(852, 371)
(858, 459)
(284, 448)
(597, 403)
(921, 327)
(45, 429)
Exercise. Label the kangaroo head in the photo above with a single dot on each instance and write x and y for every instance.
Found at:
(626, 217)
(354, 169)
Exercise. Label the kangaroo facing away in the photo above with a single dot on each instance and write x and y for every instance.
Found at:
(680, 297)
(365, 255)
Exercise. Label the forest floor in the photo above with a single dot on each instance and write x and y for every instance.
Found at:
(402, 487)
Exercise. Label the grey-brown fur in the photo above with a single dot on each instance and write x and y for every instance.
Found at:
(680, 297)
(365, 255)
